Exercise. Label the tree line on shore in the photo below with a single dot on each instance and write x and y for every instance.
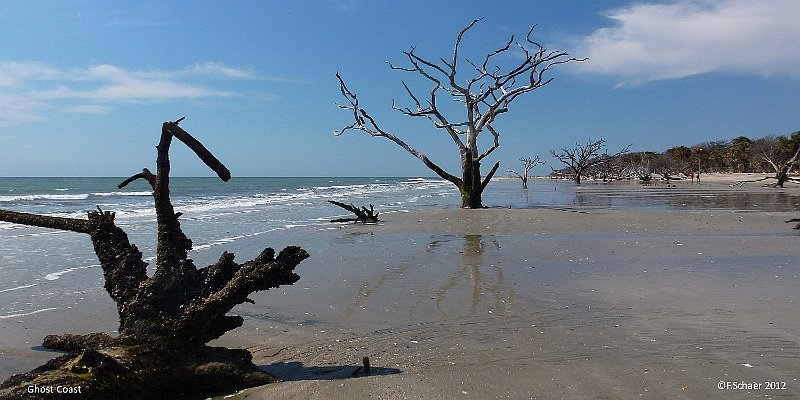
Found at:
(776, 155)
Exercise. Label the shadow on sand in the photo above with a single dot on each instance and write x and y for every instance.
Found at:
(297, 371)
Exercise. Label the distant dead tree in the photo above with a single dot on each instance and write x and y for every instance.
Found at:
(487, 94)
(783, 167)
(165, 320)
(583, 157)
(771, 151)
(527, 164)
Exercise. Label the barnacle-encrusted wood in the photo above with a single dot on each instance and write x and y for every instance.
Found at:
(165, 319)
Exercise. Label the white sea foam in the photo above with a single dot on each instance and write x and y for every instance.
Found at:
(34, 197)
(231, 239)
(36, 234)
(55, 275)
(208, 207)
(8, 225)
(27, 313)
(18, 288)
(107, 194)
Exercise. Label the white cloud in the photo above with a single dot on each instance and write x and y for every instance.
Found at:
(15, 110)
(13, 73)
(690, 37)
(28, 89)
(220, 70)
(216, 68)
(88, 109)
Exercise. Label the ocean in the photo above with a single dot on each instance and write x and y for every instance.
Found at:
(44, 270)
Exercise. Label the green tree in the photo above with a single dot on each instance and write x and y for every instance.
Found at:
(737, 156)
(682, 157)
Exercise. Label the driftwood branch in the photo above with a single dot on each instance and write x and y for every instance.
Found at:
(209, 159)
(166, 319)
(362, 214)
(145, 174)
(43, 221)
(779, 180)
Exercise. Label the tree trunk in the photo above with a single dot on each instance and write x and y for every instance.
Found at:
(782, 176)
(471, 186)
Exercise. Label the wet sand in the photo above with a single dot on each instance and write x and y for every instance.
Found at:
(568, 303)
(577, 302)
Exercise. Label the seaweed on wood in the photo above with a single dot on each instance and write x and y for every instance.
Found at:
(165, 319)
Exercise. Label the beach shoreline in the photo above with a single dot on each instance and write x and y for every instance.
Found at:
(720, 178)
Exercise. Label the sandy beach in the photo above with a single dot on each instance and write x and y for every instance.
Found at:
(579, 302)
(539, 304)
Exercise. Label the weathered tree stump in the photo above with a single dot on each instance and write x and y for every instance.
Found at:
(363, 214)
(165, 320)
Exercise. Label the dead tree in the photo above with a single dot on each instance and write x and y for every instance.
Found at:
(781, 161)
(363, 214)
(487, 94)
(527, 165)
(583, 157)
(165, 320)
(782, 168)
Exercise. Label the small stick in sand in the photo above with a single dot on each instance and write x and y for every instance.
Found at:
(366, 365)
(362, 370)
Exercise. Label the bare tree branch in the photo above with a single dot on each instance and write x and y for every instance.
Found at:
(364, 122)
(583, 157)
(495, 144)
(489, 176)
(487, 94)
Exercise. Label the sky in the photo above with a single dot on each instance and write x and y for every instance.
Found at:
(86, 85)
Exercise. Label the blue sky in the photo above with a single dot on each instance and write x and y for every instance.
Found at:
(85, 85)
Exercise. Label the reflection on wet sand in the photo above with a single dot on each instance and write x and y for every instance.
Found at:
(637, 196)
(472, 262)
(463, 278)
(673, 197)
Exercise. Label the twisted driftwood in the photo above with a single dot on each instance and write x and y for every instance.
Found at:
(165, 320)
(363, 214)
